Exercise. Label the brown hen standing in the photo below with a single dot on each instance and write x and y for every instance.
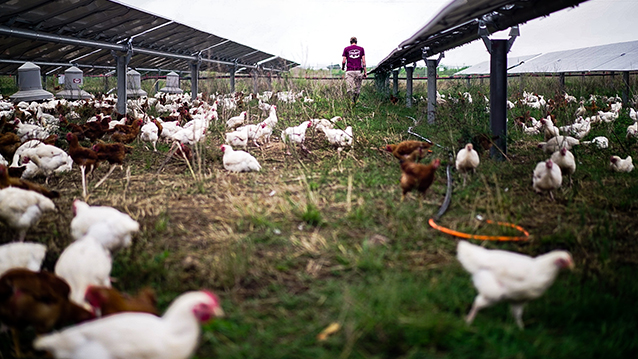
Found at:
(84, 157)
(110, 301)
(113, 153)
(403, 150)
(39, 300)
(417, 176)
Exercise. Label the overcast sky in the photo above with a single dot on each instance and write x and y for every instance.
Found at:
(314, 32)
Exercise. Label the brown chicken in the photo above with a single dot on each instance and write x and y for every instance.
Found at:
(106, 301)
(8, 181)
(84, 157)
(404, 149)
(74, 128)
(39, 300)
(113, 153)
(94, 130)
(417, 176)
(126, 133)
(9, 143)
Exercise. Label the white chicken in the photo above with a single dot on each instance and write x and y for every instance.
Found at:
(565, 161)
(189, 136)
(272, 119)
(236, 120)
(150, 133)
(321, 123)
(338, 137)
(83, 263)
(28, 131)
(169, 128)
(600, 142)
(467, 159)
(263, 134)
(547, 177)
(239, 161)
(632, 130)
(499, 276)
(548, 128)
(633, 114)
(238, 138)
(619, 165)
(296, 134)
(138, 335)
(556, 143)
(21, 209)
(112, 228)
(21, 255)
(49, 159)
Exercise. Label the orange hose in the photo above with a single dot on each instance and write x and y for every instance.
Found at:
(483, 237)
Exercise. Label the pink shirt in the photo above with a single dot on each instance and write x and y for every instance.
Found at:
(353, 54)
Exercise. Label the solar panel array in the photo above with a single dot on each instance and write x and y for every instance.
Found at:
(621, 56)
(84, 32)
(458, 24)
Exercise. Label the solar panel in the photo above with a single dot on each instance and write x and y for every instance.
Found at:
(29, 30)
(621, 56)
(457, 24)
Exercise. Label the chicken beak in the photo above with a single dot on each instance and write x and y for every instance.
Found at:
(218, 311)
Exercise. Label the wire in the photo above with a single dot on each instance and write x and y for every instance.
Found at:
(448, 200)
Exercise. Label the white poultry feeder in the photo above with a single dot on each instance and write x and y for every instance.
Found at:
(30, 84)
(73, 78)
(172, 83)
(134, 84)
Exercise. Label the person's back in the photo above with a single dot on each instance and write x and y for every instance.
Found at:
(354, 57)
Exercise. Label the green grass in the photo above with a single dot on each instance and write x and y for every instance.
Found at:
(291, 249)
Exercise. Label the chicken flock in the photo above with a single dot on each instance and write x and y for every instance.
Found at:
(79, 293)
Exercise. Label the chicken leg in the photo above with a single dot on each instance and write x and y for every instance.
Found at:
(517, 312)
(83, 170)
(108, 174)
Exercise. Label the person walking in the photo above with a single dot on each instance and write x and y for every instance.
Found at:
(354, 62)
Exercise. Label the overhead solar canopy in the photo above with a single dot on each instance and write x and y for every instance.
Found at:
(83, 32)
(613, 57)
(458, 23)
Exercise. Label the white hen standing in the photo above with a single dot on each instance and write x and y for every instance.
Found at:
(21, 255)
(138, 335)
(506, 276)
(338, 137)
(112, 228)
(565, 160)
(21, 209)
(239, 161)
(547, 177)
(83, 263)
(619, 165)
(236, 120)
(150, 133)
(296, 134)
(467, 159)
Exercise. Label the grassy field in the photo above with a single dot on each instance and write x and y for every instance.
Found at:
(322, 238)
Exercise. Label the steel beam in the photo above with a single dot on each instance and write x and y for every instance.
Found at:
(498, 98)
(395, 82)
(409, 71)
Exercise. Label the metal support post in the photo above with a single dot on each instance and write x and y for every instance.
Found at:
(232, 78)
(121, 65)
(395, 82)
(498, 50)
(625, 90)
(431, 65)
(256, 81)
(409, 71)
(194, 79)
(381, 81)
(562, 81)
(159, 74)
